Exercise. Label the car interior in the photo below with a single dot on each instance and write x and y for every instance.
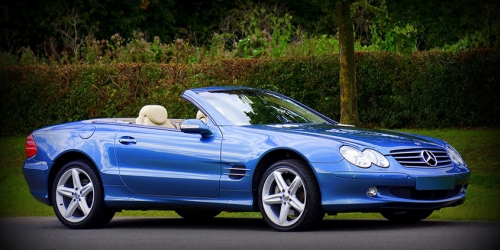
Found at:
(157, 115)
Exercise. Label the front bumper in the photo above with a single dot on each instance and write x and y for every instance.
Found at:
(346, 191)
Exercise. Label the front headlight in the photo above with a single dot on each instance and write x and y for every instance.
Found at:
(455, 156)
(376, 158)
(363, 159)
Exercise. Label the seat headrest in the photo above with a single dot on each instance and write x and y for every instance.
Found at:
(200, 115)
(156, 113)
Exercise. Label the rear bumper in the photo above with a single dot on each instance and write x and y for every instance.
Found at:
(36, 176)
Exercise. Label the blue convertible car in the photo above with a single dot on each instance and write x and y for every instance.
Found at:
(243, 150)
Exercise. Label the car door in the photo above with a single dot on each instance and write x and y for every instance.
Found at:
(167, 162)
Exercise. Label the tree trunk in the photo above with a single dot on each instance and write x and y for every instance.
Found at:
(348, 96)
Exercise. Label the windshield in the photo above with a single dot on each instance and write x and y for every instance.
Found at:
(247, 107)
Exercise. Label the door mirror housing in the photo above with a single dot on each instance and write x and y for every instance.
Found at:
(195, 126)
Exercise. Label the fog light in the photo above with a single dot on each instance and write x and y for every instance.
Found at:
(462, 189)
(372, 192)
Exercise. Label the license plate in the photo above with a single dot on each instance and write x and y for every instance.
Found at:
(435, 183)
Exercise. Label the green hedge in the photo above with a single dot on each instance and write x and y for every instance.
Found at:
(426, 90)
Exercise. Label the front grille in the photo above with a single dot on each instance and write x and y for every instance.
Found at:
(413, 157)
(412, 193)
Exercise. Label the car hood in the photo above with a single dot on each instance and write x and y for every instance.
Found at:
(381, 139)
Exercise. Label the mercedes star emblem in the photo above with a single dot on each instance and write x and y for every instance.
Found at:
(429, 158)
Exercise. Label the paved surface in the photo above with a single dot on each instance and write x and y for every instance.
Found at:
(225, 233)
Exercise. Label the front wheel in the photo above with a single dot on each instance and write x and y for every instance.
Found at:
(407, 216)
(78, 197)
(289, 197)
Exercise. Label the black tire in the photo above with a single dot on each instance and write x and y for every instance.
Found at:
(78, 197)
(197, 214)
(406, 216)
(292, 203)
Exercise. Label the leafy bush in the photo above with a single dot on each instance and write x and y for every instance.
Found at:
(426, 90)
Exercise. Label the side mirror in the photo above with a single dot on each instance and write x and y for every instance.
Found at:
(195, 126)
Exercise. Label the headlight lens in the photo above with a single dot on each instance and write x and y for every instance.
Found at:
(363, 159)
(376, 158)
(455, 156)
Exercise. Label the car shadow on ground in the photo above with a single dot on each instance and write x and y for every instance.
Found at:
(259, 224)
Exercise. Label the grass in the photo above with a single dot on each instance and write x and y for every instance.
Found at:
(480, 148)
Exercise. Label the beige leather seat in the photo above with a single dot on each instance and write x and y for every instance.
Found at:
(154, 115)
(201, 116)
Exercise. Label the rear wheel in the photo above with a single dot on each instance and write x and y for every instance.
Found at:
(197, 214)
(78, 197)
(407, 216)
(289, 197)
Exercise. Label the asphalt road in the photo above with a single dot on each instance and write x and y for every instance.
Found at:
(225, 233)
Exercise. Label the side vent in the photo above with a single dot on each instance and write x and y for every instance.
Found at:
(237, 171)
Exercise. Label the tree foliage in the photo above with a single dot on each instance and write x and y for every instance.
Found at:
(427, 24)
(401, 26)
(97, 31)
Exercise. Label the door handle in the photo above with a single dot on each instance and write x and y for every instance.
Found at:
(127, 140)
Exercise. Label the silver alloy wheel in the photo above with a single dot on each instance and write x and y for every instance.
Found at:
(75, 195)
(284, 197)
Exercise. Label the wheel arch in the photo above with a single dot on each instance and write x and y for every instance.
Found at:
(269, 159)
(62, 160)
